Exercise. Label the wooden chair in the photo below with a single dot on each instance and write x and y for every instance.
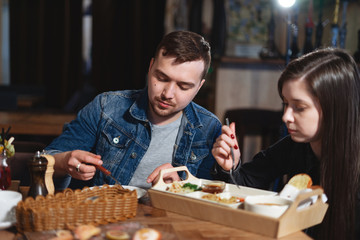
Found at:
(28, 146)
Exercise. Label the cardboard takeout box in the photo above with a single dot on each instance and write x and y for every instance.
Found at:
(291, 221)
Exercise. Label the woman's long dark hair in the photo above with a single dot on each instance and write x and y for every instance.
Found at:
(333, 78)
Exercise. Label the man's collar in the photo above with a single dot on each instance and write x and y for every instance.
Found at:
(192, 115)
(139, 108)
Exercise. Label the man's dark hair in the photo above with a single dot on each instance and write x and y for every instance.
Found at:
(185, 46)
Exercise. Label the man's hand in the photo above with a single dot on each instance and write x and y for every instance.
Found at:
(79, 164)
(167, 178)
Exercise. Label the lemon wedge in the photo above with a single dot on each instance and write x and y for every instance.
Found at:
(117, 235)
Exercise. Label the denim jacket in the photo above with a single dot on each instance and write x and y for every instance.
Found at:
(115, 125)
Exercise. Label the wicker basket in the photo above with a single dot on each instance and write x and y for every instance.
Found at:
(65, 210)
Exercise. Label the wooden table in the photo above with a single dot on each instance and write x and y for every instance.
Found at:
(34, 123)
(171, 225)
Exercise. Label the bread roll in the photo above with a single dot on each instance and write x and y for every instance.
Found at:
(84, 232)
(301, 181)
(147, 234)
(63, 235)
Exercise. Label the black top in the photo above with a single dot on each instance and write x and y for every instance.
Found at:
(284, 157)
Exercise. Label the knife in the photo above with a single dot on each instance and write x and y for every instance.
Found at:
(107, 173)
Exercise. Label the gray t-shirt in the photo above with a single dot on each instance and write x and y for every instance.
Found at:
(160, 151)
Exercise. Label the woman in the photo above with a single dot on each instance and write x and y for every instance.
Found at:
(321, 97)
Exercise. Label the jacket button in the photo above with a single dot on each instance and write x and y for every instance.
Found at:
(193, 156)
(133, 155)
(116, 140)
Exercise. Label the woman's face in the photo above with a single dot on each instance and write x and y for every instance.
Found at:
(302, 112)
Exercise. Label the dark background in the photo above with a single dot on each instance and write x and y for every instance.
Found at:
(46, 47)
(46, 38)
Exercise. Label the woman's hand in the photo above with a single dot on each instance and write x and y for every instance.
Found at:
(153, 178)
(79, 164)
(221, 148)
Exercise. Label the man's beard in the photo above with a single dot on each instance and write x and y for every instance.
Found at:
(161, 112)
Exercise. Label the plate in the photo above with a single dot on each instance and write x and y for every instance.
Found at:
(4, 225)
(140, 192)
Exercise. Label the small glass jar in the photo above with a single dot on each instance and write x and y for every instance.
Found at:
(5, 173)
(213, 186)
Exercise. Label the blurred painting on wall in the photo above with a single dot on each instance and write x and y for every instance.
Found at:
(247, 27)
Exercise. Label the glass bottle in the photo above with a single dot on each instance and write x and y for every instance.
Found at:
(5, 173)
(37, 168)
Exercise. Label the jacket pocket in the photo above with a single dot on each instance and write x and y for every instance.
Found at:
(198, 152)
(114, 142)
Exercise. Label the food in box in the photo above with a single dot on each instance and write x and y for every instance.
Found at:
(192, 204)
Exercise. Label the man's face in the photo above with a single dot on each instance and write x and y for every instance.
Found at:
(171, 87)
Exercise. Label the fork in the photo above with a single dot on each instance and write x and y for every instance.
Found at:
(233, 159)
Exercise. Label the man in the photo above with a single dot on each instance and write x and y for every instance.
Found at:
(132, 132)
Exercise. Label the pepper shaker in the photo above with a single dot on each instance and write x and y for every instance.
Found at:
(49, 183)
(37, 166)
